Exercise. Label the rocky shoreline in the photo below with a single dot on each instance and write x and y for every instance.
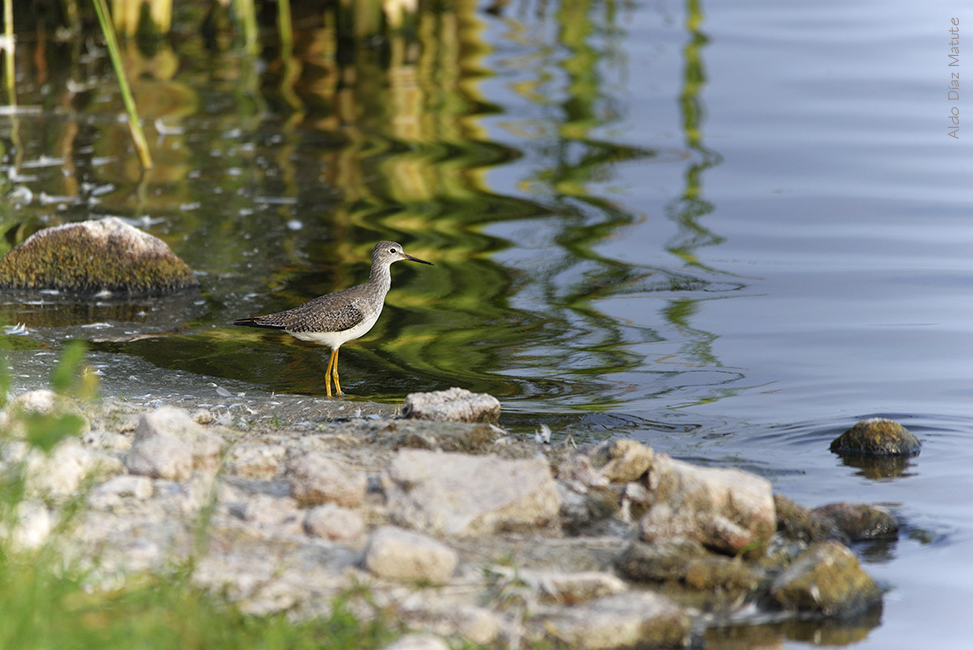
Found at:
(451, 526)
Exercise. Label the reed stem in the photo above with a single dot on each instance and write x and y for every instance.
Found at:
(138, 137)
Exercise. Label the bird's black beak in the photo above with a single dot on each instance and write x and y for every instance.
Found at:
(416, 259)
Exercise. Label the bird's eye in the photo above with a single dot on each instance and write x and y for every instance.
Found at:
(392, 250)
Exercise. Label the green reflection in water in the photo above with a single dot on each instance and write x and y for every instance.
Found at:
(276, 176)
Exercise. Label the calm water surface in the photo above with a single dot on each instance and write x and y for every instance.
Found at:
(729, 230)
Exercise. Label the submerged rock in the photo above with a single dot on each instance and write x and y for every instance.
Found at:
(727, 510)
(687, 562)
(454, 404)
(456, 494)
(877, 437)
(93, 257)
(859, 521)
(826, 579)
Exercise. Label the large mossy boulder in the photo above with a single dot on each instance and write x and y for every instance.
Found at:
(95, 257)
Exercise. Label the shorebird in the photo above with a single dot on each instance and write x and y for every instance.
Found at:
(342, 316)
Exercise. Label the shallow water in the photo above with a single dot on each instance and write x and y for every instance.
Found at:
(729, 230)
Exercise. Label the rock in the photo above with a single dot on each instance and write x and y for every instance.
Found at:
(202, 416)
(169, 445)
(30, 527)
(41, 402)
(335, 523)
(418, 642)
(61, 472)
(687, 562)
(453, 404)
(727, 510)
(616, 461)
(574, 587)
(877, 437)
(116, 490)
(398, 554)
(95, 256)
(859, 521)
(450, 620)
(455, 494)
(316, 479)
(106, 440)
(838, 521)
(440, 436)
(629, 620)
(826, 579)
(254, 460)
(475, 624)
(275, 514)
(585, 509)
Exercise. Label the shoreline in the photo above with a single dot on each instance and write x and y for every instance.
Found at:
(306, 501)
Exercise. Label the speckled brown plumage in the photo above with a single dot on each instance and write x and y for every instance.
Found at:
(335, 312)
(341, 316)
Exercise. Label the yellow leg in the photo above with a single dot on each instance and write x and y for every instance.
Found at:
(327, 373)
(334, 370)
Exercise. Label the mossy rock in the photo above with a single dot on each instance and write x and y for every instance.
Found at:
(93, 257)
(877, 437)
(826, 580)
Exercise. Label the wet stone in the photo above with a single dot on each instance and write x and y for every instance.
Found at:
(877, 437)
(727, 510)
(859, 521)
(826, 579)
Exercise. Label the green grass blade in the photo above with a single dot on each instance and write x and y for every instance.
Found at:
(138, 137)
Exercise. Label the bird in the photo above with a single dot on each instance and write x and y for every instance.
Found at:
(342, 316)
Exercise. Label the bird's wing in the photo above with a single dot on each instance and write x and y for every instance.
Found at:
(335, 312)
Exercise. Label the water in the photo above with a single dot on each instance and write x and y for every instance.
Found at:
(729, 230)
